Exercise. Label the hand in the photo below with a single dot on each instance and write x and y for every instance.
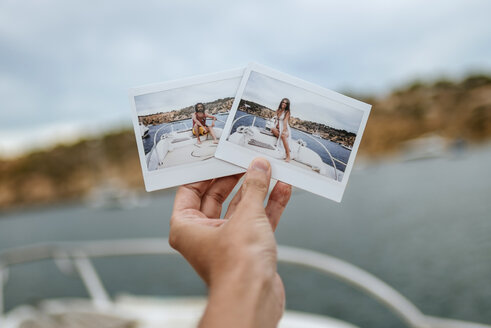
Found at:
(236, 256)
(205, 129)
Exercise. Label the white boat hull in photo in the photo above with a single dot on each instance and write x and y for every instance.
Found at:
(263, 141)
(181, 147)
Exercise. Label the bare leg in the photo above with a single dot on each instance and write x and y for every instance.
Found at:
(284, 138)
(275, 132)
(196, 132)
(210, 130)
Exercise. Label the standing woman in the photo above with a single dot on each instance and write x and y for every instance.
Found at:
(282, 130)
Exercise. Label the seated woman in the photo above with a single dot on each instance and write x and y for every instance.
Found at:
(282, 129)
(199, 123)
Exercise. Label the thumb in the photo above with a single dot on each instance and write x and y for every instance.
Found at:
(256, 183)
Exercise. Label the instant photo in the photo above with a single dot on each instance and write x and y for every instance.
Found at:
(310, 134)
(178, 125)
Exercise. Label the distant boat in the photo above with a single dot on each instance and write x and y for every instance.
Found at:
(347, 147)
(144, 131)
(423, 147)
(316, 134)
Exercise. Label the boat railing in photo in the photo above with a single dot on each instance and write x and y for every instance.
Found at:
(172, 124)
(155, 136)
(77, 256)
(332, 158)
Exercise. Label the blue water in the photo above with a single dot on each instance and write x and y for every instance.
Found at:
(336, 150)
(176, 126)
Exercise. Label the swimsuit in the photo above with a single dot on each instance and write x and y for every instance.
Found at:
(281, 128)
(202, 120)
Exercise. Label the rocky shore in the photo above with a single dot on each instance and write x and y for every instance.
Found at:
(452, 110)
(215, 107)
(341, 137)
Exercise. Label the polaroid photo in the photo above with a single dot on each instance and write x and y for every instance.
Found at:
(178, 125)
(309, 134)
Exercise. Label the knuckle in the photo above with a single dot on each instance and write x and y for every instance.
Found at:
(255, 184)
(285, 193)
(173, 240)
(282, 196)
(217, 197)
(173, 233)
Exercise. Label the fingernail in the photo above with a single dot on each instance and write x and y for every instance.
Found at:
(260, 164)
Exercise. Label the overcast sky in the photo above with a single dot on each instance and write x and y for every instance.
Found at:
(67, 65)
(304, 104)
(178, 98)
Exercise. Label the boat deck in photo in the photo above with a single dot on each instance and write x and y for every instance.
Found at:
(190, 153)
(180, 147)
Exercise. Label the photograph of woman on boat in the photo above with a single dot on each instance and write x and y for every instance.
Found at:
(178, 125)
(308, 133)
(199, 123)
(282, 128)
(313, 136)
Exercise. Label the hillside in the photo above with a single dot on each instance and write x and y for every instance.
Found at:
(214, 107)
(453, 110)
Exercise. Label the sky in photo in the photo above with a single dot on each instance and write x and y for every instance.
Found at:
(66, 67)
(304, 104)
(178, 98)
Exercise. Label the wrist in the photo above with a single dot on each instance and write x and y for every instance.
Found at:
(241, 297)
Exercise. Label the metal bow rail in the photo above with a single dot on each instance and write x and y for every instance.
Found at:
(333, 160)
(78, 255)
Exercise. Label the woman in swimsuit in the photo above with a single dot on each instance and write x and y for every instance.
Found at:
(199, 123)
(282, 129)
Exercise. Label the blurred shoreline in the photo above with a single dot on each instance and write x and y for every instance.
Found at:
(432, 117)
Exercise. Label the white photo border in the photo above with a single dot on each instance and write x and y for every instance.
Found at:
(185, 173)
(299, 177)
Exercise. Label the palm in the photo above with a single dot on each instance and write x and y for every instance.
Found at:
(241, 247)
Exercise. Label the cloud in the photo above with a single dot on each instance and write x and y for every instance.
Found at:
(178, 98)
(304, 104)
(75, 61)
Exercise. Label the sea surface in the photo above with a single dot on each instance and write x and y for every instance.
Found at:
(423, 227)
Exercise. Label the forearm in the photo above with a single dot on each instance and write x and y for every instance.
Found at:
(242, 299)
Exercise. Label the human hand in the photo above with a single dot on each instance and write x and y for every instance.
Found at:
(236, 256)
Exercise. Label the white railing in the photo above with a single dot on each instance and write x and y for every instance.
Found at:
(77, 256)
(172, 126)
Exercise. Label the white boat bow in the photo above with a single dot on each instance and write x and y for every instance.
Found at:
(131, 311)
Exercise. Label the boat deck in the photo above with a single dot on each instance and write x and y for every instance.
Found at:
(140, 312)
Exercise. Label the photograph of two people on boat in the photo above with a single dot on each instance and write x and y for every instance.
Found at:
(295, 125)
(183, 125)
